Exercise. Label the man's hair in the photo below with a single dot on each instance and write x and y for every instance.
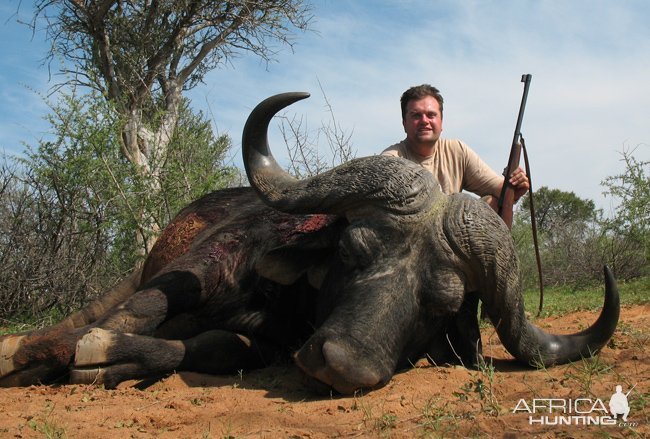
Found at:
(419, 92)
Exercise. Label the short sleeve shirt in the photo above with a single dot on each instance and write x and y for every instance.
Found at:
(456, 167)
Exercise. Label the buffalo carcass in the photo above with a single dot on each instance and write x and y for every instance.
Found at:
(359, 270)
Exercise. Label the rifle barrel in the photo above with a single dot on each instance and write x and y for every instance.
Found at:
(526, 80)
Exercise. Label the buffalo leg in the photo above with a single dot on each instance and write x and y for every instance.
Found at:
(98, 308)
(107, 357)
(46, 355)
(464, 332)
(38, 357)
(161, 299)
(462, 342)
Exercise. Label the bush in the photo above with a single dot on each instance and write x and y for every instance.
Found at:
(70, 209)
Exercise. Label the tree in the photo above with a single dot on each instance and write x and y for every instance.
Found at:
(568, 230)
(629, 229)
(142, 54)
(555, 210)
(632, 188)
(68, 209)
(576, 240)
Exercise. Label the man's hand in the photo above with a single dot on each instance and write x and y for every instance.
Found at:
(520, 181)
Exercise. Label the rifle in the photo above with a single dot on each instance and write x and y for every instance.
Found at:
(630, 391)
(507, 197)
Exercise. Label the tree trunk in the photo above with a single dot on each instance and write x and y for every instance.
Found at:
(146, 150)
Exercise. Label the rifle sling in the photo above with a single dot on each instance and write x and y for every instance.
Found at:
(533, 223)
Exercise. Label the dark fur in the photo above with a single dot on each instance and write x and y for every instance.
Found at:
(199, 285)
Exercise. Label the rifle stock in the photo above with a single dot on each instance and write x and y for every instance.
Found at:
(507, 198)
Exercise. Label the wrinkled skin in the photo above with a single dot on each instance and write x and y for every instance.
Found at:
(357, 272)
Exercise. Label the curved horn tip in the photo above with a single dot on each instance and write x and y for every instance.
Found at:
(257, 156)
(285, 99)
(299, 94)
(610, 280)
(263, 112)
(257, 123)
(611, 288)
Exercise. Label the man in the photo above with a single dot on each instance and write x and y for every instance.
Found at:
(455, 165)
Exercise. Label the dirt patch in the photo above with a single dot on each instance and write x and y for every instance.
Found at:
(424, 401)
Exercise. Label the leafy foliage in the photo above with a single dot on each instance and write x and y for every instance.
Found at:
(632, 188)
(556, 210)
(139, 49)
(567, 228)
(576, 240)
(70, 207)
(140, 56)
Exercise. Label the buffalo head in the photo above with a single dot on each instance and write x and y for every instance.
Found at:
(403, 268)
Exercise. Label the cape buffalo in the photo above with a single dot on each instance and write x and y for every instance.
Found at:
(357, 272)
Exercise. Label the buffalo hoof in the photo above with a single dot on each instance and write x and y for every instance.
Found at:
(92, 357)
(93, 347)
(23, 372)
(95, 359)
(8, 347)
(108, 357)
(90, 352)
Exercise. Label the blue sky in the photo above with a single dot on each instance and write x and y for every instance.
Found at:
(589, 97)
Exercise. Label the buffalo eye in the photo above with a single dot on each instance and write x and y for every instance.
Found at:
(359, 247)
(345, 256)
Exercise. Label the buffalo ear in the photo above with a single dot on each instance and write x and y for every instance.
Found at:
(286, 264)
(309, 253)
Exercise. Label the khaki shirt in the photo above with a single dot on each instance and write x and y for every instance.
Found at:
(456, 167)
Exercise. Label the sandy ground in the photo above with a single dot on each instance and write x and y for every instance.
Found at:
(424, 401)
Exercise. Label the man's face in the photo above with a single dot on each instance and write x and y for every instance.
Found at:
(423, 121)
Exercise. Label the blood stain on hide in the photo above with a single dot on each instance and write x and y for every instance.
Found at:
(174, 242)
(293, 226)
(315, 223)
(224, 247)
